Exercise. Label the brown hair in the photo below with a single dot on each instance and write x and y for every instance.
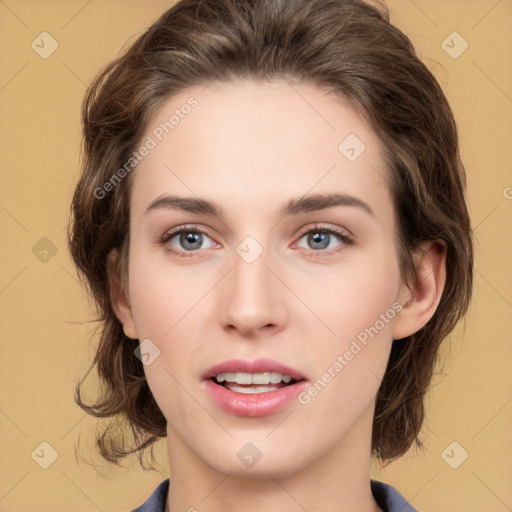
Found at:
(348, 46)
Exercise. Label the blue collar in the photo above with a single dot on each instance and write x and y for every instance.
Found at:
(387, 497)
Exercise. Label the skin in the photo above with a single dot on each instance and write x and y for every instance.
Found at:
(251, 147)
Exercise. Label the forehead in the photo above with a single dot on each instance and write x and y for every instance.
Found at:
(258, 143)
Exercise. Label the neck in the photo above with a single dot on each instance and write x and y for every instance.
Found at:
(336, 481)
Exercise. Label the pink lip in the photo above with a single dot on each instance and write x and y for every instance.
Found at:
(255, 405)
(258, 404)
(258, 366)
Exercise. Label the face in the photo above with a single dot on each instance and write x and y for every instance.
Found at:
(262, 236)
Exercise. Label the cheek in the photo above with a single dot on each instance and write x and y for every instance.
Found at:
(351, 296)
(168, 305)
(163, 295)
(164, 301)
(351, 360)
(349, 365)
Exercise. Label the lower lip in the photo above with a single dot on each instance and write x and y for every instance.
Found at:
(253, 405)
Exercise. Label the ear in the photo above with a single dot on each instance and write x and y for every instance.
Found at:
(119, 296)
(419, 304)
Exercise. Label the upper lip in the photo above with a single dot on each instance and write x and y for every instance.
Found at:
(257, 366)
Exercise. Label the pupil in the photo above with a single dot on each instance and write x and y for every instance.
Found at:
(322, 239)
(188, 240)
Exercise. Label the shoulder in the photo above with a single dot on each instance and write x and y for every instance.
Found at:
(156, 502)
(389, 499)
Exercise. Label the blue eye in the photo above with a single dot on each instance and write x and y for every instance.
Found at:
(322, 239)
(187, 240)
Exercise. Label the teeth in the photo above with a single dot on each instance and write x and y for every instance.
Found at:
(254, 378)
(261, 378)
(251, 391)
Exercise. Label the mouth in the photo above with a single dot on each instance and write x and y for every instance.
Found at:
(253, 383)
(253, 388)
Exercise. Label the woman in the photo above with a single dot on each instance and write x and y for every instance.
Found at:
(272, 221)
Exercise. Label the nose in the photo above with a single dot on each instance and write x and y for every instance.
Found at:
(253, 300)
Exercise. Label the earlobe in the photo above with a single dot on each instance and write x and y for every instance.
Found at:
(119, 297)
(422, 301)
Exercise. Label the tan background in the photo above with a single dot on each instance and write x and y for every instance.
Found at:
(45, 343)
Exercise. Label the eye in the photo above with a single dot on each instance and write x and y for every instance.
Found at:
(185, 240)
(321, 239)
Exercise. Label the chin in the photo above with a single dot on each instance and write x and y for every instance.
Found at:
(259, 460)
(275, 467)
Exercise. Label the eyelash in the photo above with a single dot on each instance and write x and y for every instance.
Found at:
(315, 229)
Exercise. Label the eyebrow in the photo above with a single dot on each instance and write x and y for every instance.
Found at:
(295, 206)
